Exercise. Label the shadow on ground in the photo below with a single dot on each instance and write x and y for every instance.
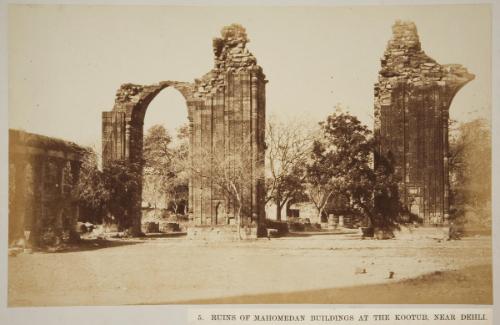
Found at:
(94, 244)
(320, 233)
(472, 285)
(164, 235)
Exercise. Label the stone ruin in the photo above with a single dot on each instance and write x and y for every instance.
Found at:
(226, 113)
(43, 172)
(412, 100)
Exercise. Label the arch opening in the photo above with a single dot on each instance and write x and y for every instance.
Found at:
(165, 155)
(226, 113)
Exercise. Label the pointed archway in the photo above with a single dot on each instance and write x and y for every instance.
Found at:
(226, 113)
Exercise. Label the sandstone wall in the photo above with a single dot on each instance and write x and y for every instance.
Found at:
(226, 112)
(412, 100)
(42, 174)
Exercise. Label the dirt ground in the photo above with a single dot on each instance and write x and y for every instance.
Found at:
(306, 268)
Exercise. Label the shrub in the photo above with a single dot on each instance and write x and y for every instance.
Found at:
(281, 226)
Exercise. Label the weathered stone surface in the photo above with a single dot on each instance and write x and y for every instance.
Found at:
(42, 173)
(226, 112)
(412, 99)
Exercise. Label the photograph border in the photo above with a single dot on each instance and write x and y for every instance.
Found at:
(178, 314)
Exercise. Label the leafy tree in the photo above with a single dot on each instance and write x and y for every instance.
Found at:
(108, 195)
(90, 190)
(470, 172)
(122, 180)
(387, 207)
(341, 162)
(156, 147)
(157, 154)
(342, 165)
(166, 172)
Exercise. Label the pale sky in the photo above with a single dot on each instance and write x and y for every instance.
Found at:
(66, 62)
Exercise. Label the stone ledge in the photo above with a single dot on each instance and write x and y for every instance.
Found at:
(222, 232)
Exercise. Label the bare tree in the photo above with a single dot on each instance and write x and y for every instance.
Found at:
(229, 173)
(320, 194)
(289, 145)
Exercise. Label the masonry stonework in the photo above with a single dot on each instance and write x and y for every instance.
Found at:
(412, 100)
(42, 174)
(226, 112)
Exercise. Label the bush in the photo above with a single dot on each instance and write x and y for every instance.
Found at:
(281, 226)
(367, 232)
(312, 227)
(296, 226)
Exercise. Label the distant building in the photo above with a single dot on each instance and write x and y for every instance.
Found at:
(335, 213)
(293, 210)
(305, 211)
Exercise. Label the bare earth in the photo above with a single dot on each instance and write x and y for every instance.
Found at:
(320, 268)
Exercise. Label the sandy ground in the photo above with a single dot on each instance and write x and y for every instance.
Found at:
(323, 268)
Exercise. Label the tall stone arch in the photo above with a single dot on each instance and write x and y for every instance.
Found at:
(123, 126)
(226, 112)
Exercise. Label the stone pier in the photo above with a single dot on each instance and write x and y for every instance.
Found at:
(412, 101)
(42, 174)
(226, 112)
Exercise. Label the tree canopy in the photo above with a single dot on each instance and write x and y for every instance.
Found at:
(342, 165)
(106, 195)
(166, 174)
(470, 172)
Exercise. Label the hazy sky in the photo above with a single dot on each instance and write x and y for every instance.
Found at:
(66, 62)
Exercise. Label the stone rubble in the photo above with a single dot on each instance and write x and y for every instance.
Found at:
(404, 60)
(231, 56)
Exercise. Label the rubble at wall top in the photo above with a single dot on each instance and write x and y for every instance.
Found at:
(230, 56)
(230, 50)
(127, 92)
(404, 60)
(23, 138)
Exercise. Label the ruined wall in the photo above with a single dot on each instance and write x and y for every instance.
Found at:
(412, 100)
(226, 112)
(42, 174)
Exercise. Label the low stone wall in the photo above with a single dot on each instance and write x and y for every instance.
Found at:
(224, 232)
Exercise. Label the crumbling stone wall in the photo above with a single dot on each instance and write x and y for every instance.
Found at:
(42, 174)
(226, 112)
(412, 100)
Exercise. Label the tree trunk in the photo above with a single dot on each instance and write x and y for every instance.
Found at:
(278, 209)
(238, 213)
(135, 215)
(368, 214)
(238, 221)
(320, 214)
